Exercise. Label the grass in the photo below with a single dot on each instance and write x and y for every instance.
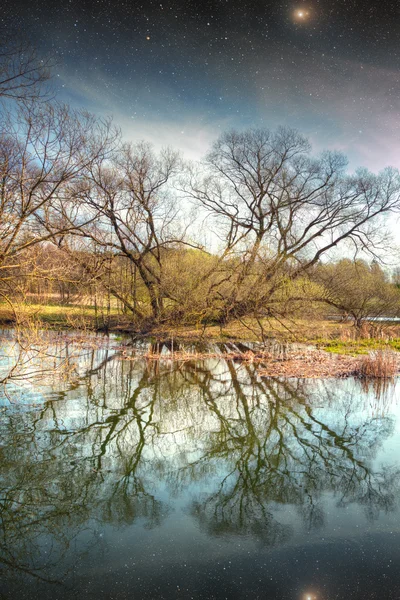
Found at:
(55, 314)
(357, 347)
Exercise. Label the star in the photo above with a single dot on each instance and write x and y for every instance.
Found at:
(301, 14)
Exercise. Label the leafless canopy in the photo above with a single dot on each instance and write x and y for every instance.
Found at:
(136, 212)
(22, 71)
(44, 150)
(281, 207)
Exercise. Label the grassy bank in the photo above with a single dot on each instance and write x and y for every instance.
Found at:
(305, 349)
(328, 335)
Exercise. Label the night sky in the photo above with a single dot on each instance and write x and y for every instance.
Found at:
(180, 72)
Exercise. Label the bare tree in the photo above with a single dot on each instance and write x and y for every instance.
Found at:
(137, 216)
(43, 151)
(278, 210)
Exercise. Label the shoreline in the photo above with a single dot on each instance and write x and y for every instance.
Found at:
(311, 364)
(281, 357)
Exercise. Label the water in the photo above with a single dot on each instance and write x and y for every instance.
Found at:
(199, 480)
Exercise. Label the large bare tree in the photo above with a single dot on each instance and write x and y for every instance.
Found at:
(279, 210)
(44, 150)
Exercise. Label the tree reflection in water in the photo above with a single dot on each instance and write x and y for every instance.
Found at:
(121, 444)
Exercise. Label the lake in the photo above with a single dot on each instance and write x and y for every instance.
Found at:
(143, 480)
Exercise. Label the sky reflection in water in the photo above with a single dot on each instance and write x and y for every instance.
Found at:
(198, 481)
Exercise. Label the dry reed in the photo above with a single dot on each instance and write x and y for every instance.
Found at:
(300, 363)
(381, 364)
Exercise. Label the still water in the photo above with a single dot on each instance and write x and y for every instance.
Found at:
(142, 480)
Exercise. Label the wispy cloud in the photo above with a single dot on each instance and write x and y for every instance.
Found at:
(189, 130)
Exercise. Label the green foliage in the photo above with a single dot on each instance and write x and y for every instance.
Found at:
(357, 290)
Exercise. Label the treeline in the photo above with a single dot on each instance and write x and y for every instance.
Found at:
(87, 217)
(110, 285)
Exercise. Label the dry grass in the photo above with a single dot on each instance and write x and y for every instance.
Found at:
(325, 334)
(334, 355)
(381, 364)
(314, 364)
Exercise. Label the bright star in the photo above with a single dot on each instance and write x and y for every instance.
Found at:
(301, 14)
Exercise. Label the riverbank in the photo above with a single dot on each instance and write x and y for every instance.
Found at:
(322, 348)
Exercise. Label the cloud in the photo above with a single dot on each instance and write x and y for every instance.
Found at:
(187, 135)
(337, 103)
(187, 129)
